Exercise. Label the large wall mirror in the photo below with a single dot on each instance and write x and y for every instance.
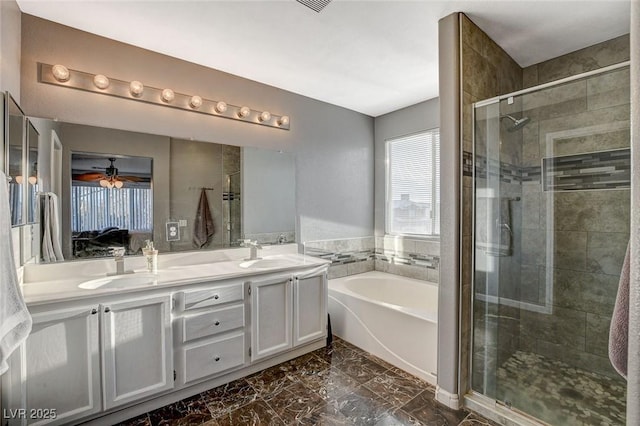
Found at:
(121, 188)
(15, 136)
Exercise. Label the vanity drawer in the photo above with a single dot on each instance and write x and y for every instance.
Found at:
(213, 357)
(212, 322)
(214, 296)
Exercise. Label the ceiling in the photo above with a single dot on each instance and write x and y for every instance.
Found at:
(371, 56)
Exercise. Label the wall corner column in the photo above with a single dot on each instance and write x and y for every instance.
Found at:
(447, 391)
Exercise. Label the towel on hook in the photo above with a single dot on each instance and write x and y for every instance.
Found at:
(15, 320)
(203, 225)
(496, 238)
(50, 247)
(619, 330)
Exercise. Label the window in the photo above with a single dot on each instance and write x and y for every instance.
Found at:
(413, 184)
(95, 208)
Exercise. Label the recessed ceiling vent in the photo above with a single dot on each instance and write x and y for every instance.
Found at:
(316, 5)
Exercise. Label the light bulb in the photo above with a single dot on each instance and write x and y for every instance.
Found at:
(101, 81)
(118, 184)
(168, 95)
(60, 72)
(136, 88)
(195, 102)
(104, 183)
(244, 111)
(32, 180)
(264, 116)
(283, 121)
(221, 107)
(19, 180)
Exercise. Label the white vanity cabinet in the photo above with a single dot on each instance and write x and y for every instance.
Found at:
(210, 330)
(271, 316)
(137, 349)
(81, 361)
(287, 311)
(55, 376)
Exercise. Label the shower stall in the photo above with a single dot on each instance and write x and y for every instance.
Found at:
(551, 228)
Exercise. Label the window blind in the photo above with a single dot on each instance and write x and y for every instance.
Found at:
(96, 208)
(413, 184)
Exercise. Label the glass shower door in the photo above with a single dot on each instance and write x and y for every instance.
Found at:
(552, 217)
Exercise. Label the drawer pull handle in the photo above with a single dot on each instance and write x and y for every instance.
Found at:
(216, 323)
(107, 309)
(216, 359)
(216, 297)
(94, 311)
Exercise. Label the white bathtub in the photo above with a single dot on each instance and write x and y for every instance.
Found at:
(392, 317)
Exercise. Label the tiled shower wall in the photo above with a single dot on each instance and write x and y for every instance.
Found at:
(487, 71)
(590, 209)
(407, 257)
(590, 227)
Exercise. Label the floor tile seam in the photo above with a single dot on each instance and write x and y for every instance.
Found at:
(274, 411)
(385, 399)
(227, 411)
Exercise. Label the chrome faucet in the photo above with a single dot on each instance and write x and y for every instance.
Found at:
(282, 239)
(118, 256)
(253, 249)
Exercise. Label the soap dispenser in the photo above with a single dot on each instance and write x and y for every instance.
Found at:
(151, 256)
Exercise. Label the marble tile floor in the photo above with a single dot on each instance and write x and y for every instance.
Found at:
(337, 385)
(560, 394)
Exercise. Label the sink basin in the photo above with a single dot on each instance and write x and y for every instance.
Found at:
(120, 281)
(270, 262)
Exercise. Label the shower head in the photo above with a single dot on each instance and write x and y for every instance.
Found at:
(518, 123)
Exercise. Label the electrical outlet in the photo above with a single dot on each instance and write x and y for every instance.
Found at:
(182, 222)
(173, 231)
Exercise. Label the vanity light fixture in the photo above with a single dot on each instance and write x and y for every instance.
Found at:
(101, 81)
(168, 95)
(136, 88)
(264, 116)
(244, 112)
(283, 121)
(60, 75)
(221, 107)
(195, 102)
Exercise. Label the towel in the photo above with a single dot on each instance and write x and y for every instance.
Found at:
(619, 330)
(203, 225)
(15, 320)
(499, 242)
(50, 247)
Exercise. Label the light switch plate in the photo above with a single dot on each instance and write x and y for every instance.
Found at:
(173, 231)
(182, 222)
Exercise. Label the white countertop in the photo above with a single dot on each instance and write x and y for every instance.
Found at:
(59, 282)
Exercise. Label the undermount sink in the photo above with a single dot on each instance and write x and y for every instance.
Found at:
(120, 281)
(270, 262)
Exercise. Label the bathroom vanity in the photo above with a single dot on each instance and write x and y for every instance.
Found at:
(104, 349)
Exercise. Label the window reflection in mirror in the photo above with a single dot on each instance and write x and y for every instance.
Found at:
(111, 203)
(15, 169)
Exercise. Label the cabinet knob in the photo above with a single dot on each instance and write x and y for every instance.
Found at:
(107, 309)
(216, 359)
(216, 323)
(216, 297)
(94, 311)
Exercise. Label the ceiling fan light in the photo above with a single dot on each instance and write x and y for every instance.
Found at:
(104, 183)
(118, 184)
(33, 180)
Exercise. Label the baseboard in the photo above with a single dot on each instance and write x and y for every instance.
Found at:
(451, 400)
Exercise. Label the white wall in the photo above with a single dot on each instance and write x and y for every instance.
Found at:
(10, 48)
(333, 145)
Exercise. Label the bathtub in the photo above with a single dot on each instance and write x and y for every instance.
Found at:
(392, 317)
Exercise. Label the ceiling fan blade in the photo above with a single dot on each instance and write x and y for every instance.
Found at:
(86, 177)
(132, 179)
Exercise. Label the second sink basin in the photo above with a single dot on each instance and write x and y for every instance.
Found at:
(271, 262)
(120, 281)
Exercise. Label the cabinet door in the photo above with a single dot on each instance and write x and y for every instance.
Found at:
(138, 355)
(271, 303)
(309, 308)
(55, 375)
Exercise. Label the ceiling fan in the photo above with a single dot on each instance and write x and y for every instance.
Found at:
(109, 179)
